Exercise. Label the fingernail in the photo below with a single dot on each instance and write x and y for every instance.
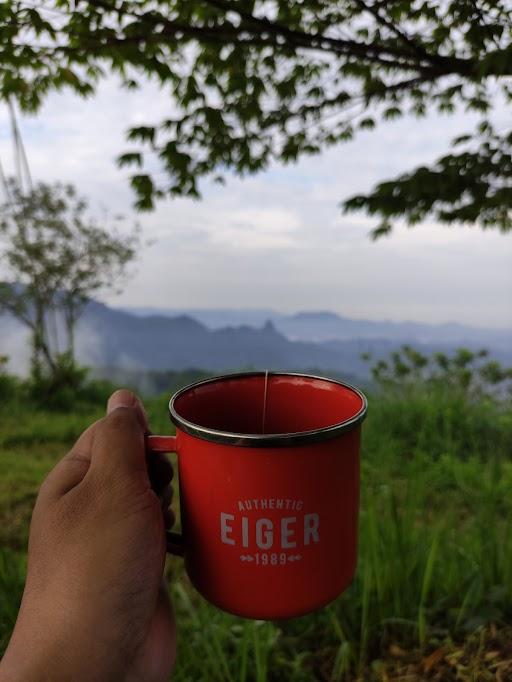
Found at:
(125, 398)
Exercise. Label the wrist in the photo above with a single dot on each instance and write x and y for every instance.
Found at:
(25, 665)
(44, 656)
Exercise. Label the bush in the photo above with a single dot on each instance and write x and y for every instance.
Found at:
(468, 374)
(67, 387)
(9, 385)
(439, 404)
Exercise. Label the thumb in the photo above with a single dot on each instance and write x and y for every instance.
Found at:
(115, 443)
(118, 448)
(125, 398)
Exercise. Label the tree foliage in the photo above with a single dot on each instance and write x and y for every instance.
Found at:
(256, 81)
(471, 374)
(56, 257)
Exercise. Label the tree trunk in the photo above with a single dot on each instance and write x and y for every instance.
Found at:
(42, 351)
(72, 308)
(70, 329)
(52, 314)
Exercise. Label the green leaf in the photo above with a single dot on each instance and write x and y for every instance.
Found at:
(382, 230)
(391, 113)
(462, 139)
(141, 134)
(367, 123)
(144, 189)
(129, 159)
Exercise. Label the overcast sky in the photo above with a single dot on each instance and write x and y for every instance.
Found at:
(278, 239)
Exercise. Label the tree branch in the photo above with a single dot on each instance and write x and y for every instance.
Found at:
(341, 98)
(417, 49)
(16, 312)
(271, 34)
(373, 52)
(348, 46)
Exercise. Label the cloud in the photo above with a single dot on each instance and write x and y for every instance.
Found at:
(279, 239)
(254, 229)
(88, 345)
(14, 343)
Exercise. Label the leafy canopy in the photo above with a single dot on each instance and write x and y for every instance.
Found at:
(254, 81)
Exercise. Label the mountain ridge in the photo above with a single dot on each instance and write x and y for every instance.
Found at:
(110, 337)
(327, 325)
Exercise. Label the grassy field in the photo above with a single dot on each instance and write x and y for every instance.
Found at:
(433, 594)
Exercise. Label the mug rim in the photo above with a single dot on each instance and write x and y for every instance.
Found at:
(258, 440)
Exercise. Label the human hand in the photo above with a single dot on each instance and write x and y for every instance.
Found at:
(95, 606)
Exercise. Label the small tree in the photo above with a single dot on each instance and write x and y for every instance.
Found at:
(57, 257)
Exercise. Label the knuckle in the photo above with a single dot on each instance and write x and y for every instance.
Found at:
(78, 463)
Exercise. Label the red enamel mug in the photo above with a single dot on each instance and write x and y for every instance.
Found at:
(268, 466)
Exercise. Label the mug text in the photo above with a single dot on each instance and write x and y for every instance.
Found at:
(284, 534)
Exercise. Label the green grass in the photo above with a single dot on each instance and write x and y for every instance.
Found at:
(435, 556)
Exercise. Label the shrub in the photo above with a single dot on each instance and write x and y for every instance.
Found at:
(9, 385)
(67, 387)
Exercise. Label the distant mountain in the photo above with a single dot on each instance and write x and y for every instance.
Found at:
(156, 342)
(111, 338)
(214, 318)
(326, 326)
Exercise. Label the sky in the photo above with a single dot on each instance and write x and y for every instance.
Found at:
(278, 239)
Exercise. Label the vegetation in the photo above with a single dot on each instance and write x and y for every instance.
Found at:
(56, 257)
(433, 594)
(471, 374)
(254, 81)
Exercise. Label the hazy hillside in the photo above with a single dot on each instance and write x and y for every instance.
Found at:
(111, 338)
(158, 342)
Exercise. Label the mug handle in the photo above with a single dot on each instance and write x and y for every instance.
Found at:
(175, 542)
